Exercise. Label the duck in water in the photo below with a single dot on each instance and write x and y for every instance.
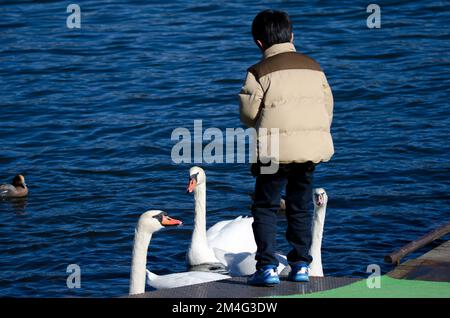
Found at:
(18, 188)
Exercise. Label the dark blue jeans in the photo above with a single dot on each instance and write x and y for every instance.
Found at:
(297, 178)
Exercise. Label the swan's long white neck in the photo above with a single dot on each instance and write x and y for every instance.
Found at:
(139, 262)
(199, 233)
(316, 244)
(199, 251)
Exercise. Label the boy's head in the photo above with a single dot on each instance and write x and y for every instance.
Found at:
(271, 27)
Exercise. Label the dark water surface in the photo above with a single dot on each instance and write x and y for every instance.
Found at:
(87, 116)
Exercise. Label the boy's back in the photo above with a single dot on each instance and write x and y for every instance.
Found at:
(289, 91)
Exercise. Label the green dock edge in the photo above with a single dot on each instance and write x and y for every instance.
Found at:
(389, 288)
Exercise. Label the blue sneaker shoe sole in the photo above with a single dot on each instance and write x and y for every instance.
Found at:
(299, 279)
(266, 282)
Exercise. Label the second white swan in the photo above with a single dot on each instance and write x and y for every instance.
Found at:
(149, 223)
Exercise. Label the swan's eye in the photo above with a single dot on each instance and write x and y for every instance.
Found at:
(194, 176)
(160, 216)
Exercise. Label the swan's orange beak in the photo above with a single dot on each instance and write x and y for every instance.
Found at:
(168, 221)
(191, 185)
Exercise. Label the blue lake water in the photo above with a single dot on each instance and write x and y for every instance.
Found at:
(87, 115)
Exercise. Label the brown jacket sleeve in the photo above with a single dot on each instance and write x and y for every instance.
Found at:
(250, 100)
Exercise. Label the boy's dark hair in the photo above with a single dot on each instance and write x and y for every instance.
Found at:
(272, 27)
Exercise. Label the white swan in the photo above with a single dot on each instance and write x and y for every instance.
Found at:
(150, 222)
(230, 243)
(320, 199)
(232, 236)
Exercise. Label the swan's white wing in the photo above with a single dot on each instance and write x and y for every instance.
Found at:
(214, 230)
(182, 279)
(244, 264)
(236, 236)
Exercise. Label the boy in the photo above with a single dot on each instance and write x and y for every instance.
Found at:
(288, 91)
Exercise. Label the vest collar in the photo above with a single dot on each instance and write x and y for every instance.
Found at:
(279, 48)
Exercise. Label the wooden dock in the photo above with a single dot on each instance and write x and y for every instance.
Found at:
(432, 266)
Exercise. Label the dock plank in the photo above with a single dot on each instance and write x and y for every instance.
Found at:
(431, 266)
(438, 254)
